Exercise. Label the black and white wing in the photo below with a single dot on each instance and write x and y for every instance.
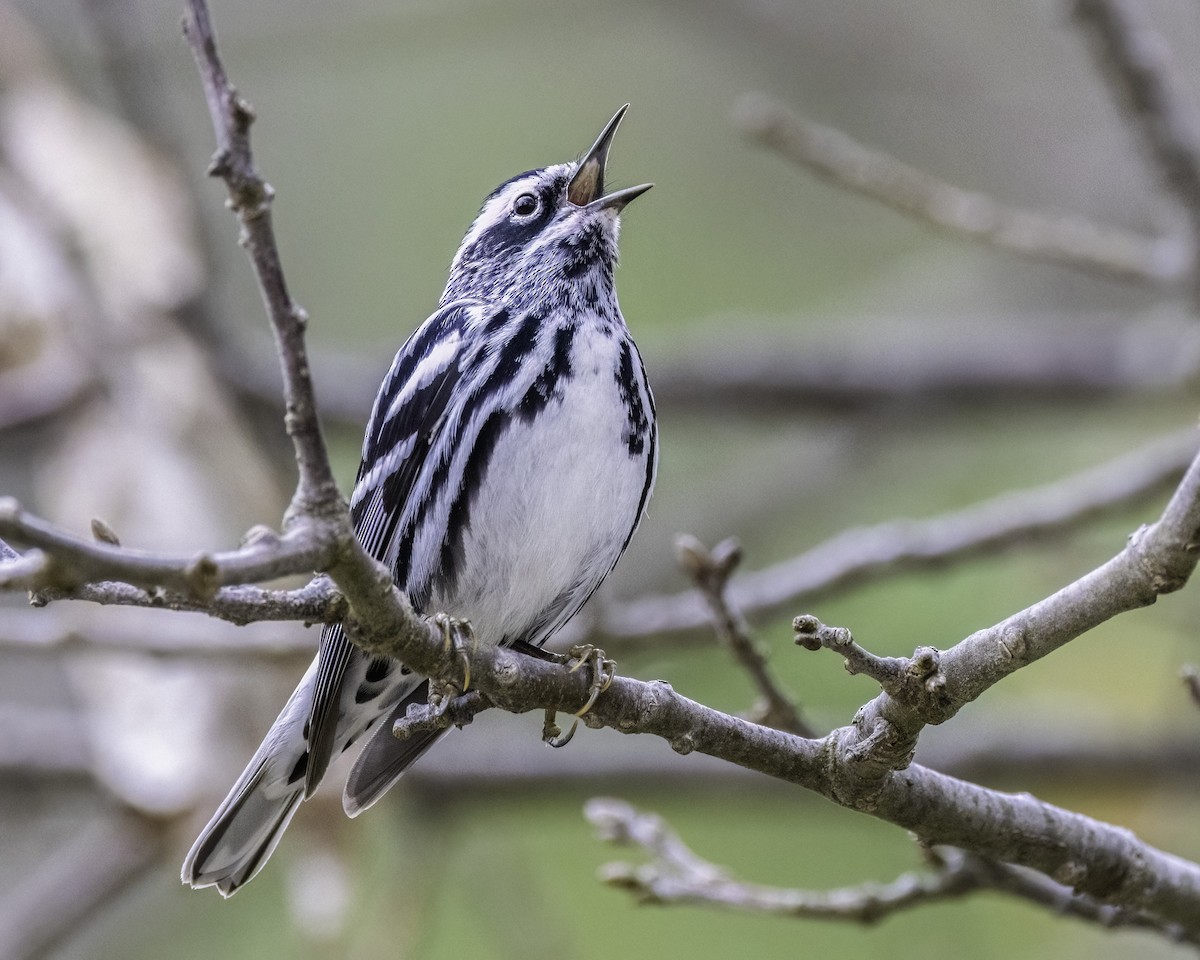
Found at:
(350, 686)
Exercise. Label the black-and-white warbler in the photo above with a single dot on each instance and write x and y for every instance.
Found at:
(508, 460)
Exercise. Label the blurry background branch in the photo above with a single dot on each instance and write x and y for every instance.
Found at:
(1068, 240)
(675, 875)
(78, 880)
(850, 558)
(1134, 58)
(859, 555)
(1117, 358)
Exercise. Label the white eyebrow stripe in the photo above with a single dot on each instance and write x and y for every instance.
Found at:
(497, 208)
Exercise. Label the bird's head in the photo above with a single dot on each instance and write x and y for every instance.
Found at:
(545, 235)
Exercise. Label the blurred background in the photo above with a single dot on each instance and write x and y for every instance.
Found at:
(137, 384)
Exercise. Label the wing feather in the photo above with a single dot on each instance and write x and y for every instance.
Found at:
(404, 423)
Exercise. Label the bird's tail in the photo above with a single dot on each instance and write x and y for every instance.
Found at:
(385, 758)
(248, 824)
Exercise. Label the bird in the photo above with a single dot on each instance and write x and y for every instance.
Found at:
(508, 460)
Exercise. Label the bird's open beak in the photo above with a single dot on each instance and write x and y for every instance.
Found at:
(586, 188)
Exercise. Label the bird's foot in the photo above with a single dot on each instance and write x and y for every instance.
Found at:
(604, 671)
(457, 638)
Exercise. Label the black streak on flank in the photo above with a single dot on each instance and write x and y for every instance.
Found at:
(507, 365)
(627, 385)
(547, 383)
(473, 474)
(650, 459)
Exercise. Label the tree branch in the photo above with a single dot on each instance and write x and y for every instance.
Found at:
(1068, 240)
(676, 875)
(1158, 559)
(865, 766)
(316, 602)
(1100, 860)
(888, 672)
(250, 199)
(67, 561)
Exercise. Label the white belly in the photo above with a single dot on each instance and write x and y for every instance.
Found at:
(553, 512)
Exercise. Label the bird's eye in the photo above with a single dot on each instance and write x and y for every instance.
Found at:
(526, 205)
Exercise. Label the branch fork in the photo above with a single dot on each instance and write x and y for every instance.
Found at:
(915, 680)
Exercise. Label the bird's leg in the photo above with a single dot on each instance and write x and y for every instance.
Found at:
(456, 636)
(604, 671)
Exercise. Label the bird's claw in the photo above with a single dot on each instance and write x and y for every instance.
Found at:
(552, 732)
(604, 671)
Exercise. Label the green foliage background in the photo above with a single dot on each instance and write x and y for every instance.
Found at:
(382, 126)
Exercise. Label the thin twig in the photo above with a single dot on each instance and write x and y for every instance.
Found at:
(710, 570)
(445, 710)
(1134, 59)
(319, 601)
(675, 875)
(812, 634)
(1068, 240)
(75, 560)
(250, 198)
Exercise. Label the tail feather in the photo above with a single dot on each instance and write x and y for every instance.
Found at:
(248, 824)
(385, 758)
(241, 835)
